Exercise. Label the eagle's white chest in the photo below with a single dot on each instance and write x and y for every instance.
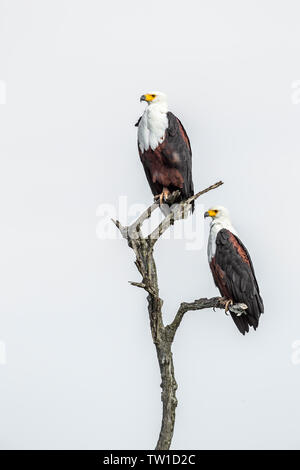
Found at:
(215, 227)
(152, 127)
(211, 247)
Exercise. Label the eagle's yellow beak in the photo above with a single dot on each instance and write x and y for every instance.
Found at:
(147, 98)
(210, 213)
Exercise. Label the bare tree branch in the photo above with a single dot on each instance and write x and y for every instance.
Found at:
(178, 212)
(163, 336)
(200, 304)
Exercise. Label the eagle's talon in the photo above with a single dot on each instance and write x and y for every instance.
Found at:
(163, 196)
(158, 198)
(227, 305)
(166, 194)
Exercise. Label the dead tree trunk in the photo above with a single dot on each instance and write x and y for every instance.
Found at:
(163, 336)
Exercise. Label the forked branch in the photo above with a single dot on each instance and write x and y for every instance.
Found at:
(163, 336)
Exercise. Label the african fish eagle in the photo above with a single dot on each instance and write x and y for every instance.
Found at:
(165, 150)
(232, 269)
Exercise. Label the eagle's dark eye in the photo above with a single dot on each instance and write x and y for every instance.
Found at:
(153, 96)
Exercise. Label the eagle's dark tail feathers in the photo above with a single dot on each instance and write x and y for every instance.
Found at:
(251, 318)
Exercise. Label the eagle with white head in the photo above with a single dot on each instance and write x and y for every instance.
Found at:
(232, 269)
(165, 150)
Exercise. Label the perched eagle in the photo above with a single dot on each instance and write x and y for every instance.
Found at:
(165, 150)
(232, 269)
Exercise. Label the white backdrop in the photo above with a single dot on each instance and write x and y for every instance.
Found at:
(78, 368)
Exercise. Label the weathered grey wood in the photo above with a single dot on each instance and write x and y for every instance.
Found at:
(163, 336)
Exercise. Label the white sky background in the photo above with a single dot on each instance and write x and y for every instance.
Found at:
(81, 370)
